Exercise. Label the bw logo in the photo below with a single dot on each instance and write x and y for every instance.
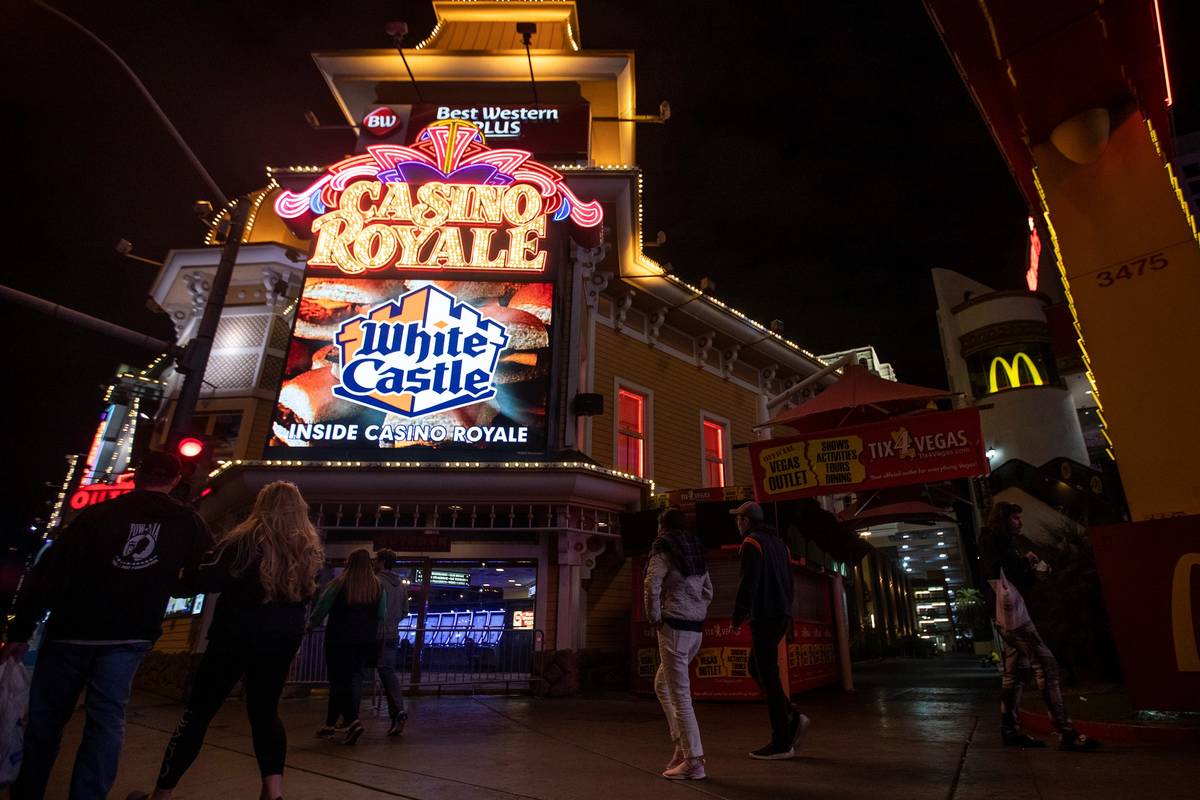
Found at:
(423, 353)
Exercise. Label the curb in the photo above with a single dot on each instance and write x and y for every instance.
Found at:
(1117, 731)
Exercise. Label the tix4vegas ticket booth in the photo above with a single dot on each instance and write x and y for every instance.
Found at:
(816, 653)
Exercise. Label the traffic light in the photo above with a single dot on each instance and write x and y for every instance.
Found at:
(195, 462)
(190, 449)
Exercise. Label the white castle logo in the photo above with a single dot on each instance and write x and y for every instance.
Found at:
(422, 353)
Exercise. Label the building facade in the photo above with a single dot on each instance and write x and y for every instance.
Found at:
(867, 357)
(626, 378)
(1015, 356)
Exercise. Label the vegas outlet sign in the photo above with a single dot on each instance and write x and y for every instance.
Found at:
(446, 202)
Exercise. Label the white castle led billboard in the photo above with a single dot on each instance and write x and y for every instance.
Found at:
(377, 364)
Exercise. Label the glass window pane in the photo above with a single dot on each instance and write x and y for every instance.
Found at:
(714, 474)
(713, 441)
(714, 453)
(629, 454)
(629, 411)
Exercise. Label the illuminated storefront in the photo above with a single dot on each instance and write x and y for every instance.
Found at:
(453, 342)
(129, 402)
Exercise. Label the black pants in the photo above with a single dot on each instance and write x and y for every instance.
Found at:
(264, 668)
(765, 636)
(347, 666)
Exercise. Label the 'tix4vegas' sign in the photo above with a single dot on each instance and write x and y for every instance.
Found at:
(446, 202)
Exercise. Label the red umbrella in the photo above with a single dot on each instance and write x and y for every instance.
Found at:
(858, 396)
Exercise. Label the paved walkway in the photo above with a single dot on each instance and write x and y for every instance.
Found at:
(915, 729)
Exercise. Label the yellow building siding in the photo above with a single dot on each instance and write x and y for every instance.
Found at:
(680, 392)
(177, 635)
(609, 604)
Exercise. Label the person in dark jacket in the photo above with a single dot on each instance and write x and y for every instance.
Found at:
(356, 604)
(764, 598)
(105, 580)
(1012, 571)
(397, 610)
(266, 572)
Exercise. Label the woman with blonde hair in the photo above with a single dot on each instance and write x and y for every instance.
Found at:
(266, 571)
(356, 604)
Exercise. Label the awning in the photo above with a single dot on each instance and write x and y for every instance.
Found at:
(858, 396)
(914, 512)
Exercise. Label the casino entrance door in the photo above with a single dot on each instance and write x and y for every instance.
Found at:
(470, 623)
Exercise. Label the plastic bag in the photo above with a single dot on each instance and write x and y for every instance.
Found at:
(1010, 606)
(14, 711)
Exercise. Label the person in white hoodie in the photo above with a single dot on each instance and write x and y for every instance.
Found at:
(677, 591)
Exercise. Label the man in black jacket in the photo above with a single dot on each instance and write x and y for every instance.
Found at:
(765, 599)
(105, 580)
(1012, 571)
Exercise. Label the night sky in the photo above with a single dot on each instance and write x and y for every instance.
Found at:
(848, 138)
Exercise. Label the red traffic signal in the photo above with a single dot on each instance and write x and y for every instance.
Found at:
(190, 448)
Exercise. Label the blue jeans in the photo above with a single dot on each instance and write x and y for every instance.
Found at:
(62, 672)
(388, 678)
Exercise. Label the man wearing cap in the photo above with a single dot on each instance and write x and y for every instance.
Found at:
(765, 599)
(105, 580)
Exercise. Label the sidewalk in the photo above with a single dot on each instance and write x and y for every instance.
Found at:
(915, 729)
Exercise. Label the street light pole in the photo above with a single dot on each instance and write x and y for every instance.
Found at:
(149, 98)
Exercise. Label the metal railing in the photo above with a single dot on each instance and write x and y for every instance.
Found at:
(398, 515)
(503, 657)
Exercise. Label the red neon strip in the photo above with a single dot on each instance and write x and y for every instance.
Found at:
(1162, 48)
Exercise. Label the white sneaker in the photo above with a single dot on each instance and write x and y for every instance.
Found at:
(689, 769)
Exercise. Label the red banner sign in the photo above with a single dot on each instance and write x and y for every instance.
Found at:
(935, 446)
(721, 670)
(1150, 572)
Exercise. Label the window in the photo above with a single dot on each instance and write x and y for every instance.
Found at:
(714, 453)
(631, 432)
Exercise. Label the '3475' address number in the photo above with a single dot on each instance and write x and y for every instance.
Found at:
(1128, 271)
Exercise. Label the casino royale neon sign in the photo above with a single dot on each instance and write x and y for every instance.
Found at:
(377, 225)
(447, 202)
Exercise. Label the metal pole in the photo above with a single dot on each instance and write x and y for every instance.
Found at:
(86, 320)
(195, 358)
(414, 679)
(532, 82)
(841, 633)
(171, 129)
